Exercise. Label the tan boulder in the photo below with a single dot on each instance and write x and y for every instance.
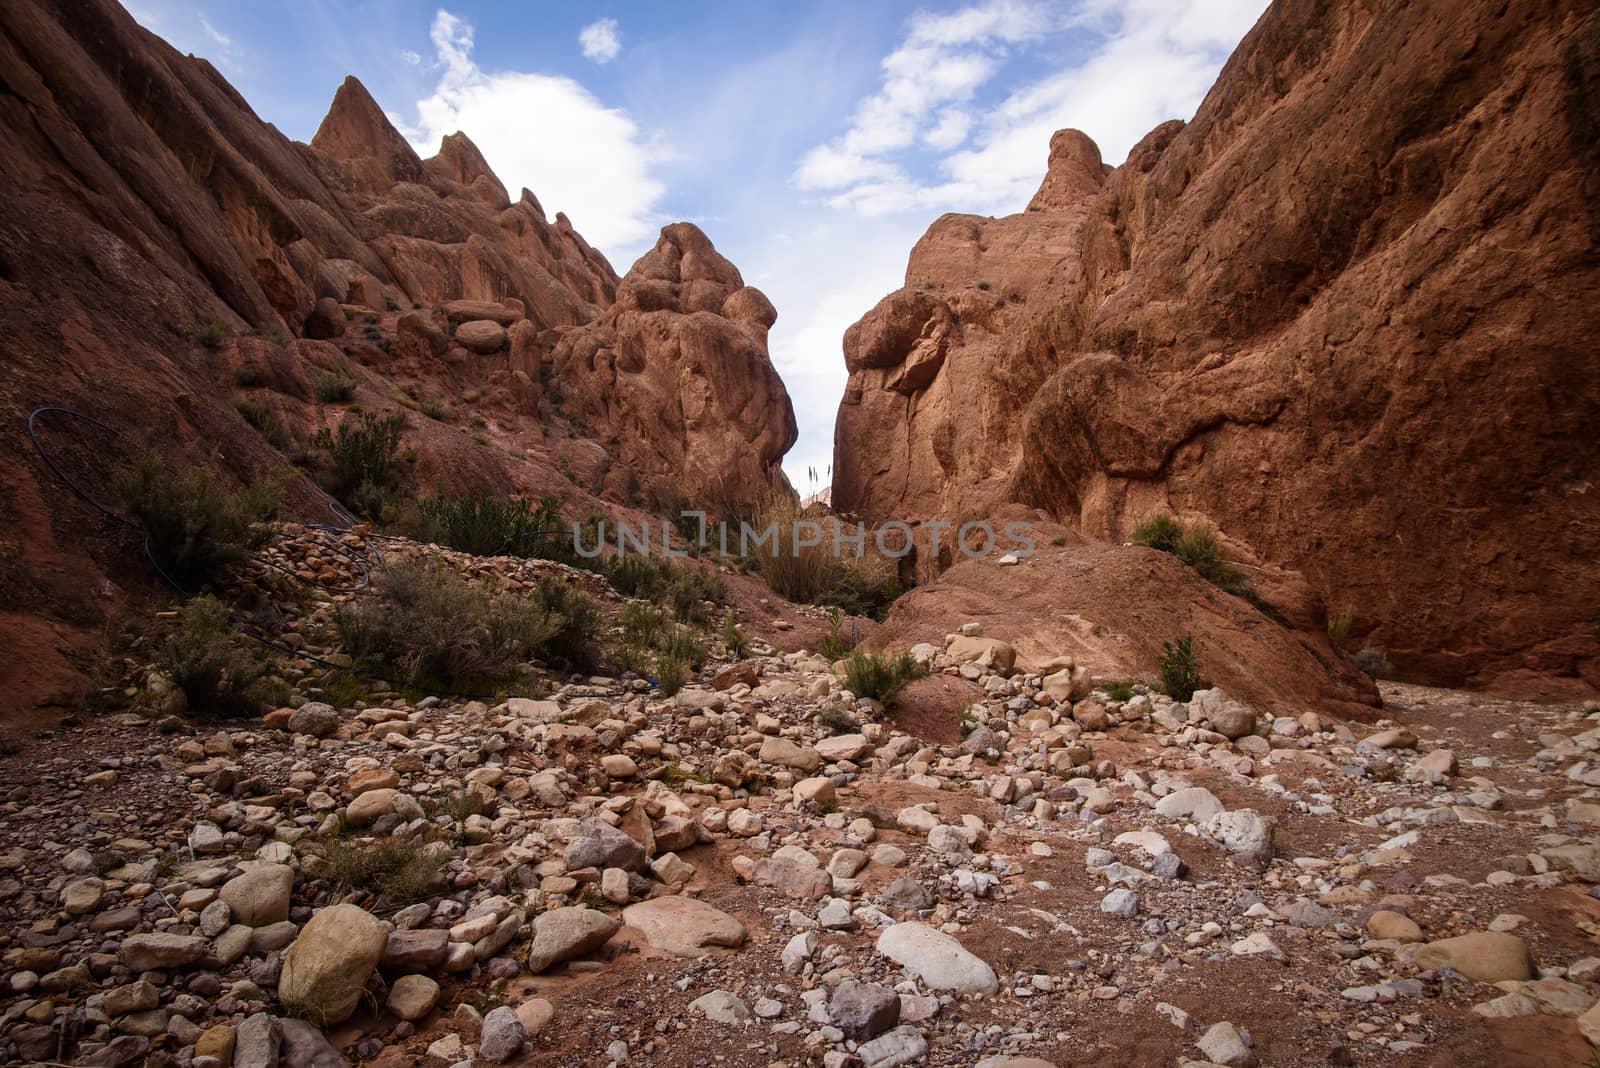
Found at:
(327, 967)
(1486, 956)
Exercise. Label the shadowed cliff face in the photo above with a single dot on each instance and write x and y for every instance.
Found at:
(1346, 314)
(165, 255)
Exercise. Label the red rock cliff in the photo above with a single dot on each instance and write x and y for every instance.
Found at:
(1347, 313)
(166, 256)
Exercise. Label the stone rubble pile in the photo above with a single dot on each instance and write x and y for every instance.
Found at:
(775, 861)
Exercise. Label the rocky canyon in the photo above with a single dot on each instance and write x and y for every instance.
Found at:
(338, 725)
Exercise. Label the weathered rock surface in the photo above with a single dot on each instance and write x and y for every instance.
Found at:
(1287, 316)
(675, 378)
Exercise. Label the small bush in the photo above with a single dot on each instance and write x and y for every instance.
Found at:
(394, 871)
(823, 574)
(213, 333)
(258, 414)
(249, 376)
(335, 388)
(1339, 628)
(879, 676)
(641, 576)
(577, 637)
(1162, 532)
(195, 525)
(219, 671)
(1196, 546)
(437, 410)
(804, 575)
(1121, 690)
(633, 658)
(1180, 669)
(486, 525)
(1373, 662)
(834, 645)
(361, 456)
(671, 673)
(640, 621)
(690, 591)
(683, 643)
(434, 627)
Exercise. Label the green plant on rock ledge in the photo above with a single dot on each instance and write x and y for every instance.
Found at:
(1196, 546)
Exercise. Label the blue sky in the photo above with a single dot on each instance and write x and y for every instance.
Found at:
(813, 142)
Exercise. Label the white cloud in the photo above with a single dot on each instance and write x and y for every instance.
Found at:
(942, 62)
(600, 41)
(408, 56)
(1154, 61)
(212, 32)
(549, 134)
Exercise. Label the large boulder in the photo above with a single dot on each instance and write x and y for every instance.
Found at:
(941, 962)
(1487, 956)
(685, 926)
(481, 336)
(260, 895)
(327, 967)
(1228, 717)
(564, 933)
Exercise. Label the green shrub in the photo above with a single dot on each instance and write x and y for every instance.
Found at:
(1196, 546)
(435, 628)
(361, 458)
(1121, 690)
(1373, 662)
(1339, 628)
(822, 574)
(221, 672)
(437, 410)
(486, 525)
(249, 376)
(834, 645)
(672, 672)
(394, 871)
(336, 388)
(213, 333)
(804, 575)
(577, 637)
(258, 414)
(632, 657)
(1161, 532)
(1180, 669)
(640, 621)
(639, 575)
(683, 643)
(880, 676)
(691, 589)
(195, 525)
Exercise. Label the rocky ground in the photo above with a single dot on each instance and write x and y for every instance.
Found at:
(764, 870)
